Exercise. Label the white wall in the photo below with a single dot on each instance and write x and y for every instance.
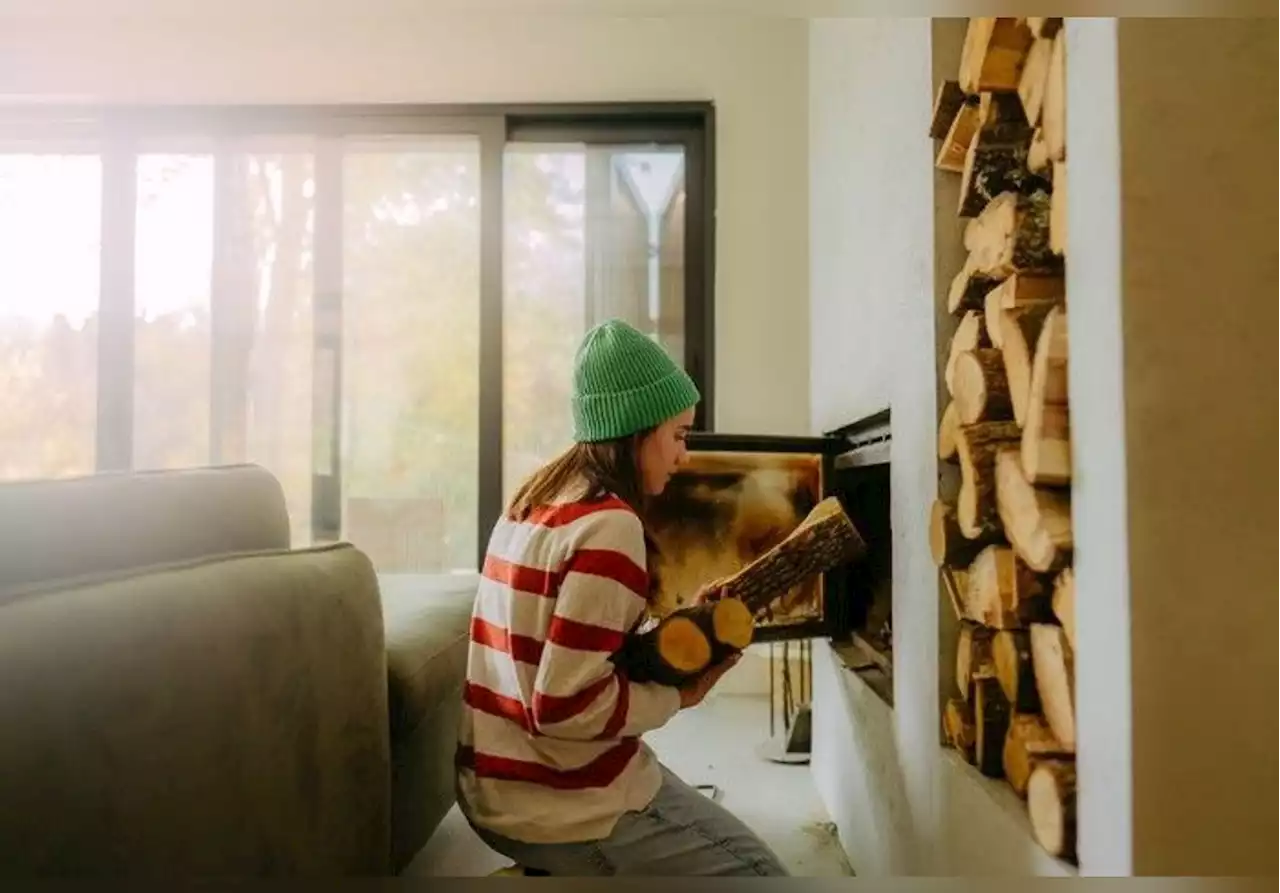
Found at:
(754, 69)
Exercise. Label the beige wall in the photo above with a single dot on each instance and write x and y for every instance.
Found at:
(754, 69)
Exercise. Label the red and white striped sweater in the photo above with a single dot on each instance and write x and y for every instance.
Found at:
(549, 748)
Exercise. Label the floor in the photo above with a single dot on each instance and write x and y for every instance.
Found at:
(714, 743)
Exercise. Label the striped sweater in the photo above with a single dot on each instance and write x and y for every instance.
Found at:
(549, 747)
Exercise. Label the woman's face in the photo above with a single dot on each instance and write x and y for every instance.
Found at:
(663, 451)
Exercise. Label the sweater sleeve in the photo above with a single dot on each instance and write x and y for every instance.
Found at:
(579, 693)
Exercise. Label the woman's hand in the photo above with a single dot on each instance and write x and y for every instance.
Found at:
(691, 694)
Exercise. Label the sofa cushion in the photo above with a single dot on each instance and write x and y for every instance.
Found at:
(427, 630)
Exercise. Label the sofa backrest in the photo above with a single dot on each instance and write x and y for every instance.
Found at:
(101, 523)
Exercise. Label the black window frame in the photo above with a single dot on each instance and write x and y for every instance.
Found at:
(119, 133)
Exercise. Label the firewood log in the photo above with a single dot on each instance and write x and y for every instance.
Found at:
(974, 660)
(955, 121)
(1036, 520)
(957, 727)
(1019, 294)
(1053, 113)
(947, 102)
(969, 288)
(947, 543)
(977, 447)
(1035, 74)
(996, 159)
(991, 716)
(980, 389)
(970, 334)
(992, 55)
(1029, 743)
(1038, 161)
(1003, 593)
(687, 641)
(824, 539)
(1044, 27)
(956, 582)
(1011, 235)
(1019, 332)
(1058, 210)
(1054, 664)
(1011, 649)
(1046, 431)
(1051, 806)
(1064, 604)
(947, 433)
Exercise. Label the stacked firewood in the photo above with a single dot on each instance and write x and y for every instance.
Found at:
(1004, 544)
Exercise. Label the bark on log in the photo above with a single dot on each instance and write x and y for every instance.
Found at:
(1019, 294)
(687, 641)
(957, 727)
(1054, 111)
(1058, 210)
(1051, 806)
(974, 660)
(1064, 604)
(1003, 593)
(947, 543)
(1046, 431)
(1029, 743)
(1036, 520)
(970, 335)
(1054, 664)
(1011, 235)
(976, 447)
(1044, 27)
(1019, 332)
(969, 288)
(947, 433)
(992, 55)
(991, 724)
(996, 159)
(1035, 74)
(825, 538)
(981, 392)
(1011, 649)
(947, 103)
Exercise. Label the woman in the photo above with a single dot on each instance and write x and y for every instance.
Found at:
(551, 769)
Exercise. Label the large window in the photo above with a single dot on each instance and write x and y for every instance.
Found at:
(380, 305)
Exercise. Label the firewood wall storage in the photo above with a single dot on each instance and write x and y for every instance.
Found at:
(1000, 530)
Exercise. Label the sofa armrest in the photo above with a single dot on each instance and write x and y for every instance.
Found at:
(227, 717)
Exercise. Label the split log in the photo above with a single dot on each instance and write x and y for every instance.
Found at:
(1058, 210)
(1064, 604)
(1011, 649)
(957, 727)
(981, 392)
(1011, 235)
(1019, 293)
(1038, 161)
(974, 660)
(970, 335)
(1046, 432)
(1028, 744)
(1044, 27)
(1054, 667)
(958, 138)
(1019, 332)
(1051, 806)
(991, 715)
(1036, 520)
(1053, 113)
(947, 542)
(996, 159)
(947, 103)
(992, 55)
(977, 512)
(1003, 593)
(687, 641)
(947, 433)
(969, 288)
(824, 539)
(1035, 74)
(956, 582)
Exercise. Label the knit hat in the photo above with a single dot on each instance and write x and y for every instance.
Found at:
(624, 382)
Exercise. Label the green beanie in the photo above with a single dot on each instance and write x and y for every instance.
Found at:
(623, 383)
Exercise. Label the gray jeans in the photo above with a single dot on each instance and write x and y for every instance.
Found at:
(682, 833)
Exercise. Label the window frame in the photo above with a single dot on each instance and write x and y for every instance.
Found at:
(121, 133)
